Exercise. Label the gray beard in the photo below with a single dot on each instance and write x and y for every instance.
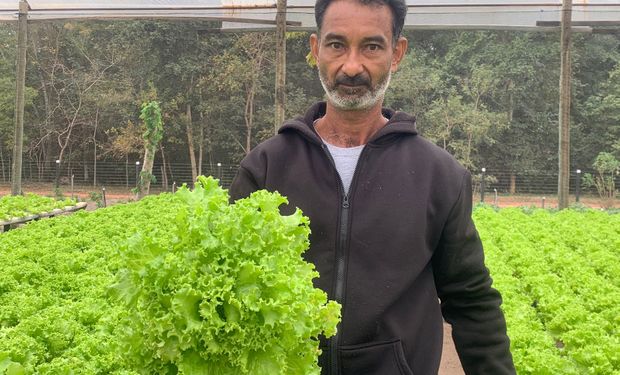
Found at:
(353, 103)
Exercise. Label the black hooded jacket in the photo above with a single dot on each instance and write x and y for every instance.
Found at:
(399, 241)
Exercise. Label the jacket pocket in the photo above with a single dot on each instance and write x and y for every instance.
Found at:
(375, 358)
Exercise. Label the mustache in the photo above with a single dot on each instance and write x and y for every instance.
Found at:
(356, 80)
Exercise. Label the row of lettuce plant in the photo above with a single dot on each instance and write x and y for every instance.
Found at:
(570, 284)
(174, 283)
(54, 311)
(78, 293)
(17, 206)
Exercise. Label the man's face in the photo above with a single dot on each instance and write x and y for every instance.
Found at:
(355, 54)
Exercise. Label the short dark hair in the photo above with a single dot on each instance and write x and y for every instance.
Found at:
(398, 8)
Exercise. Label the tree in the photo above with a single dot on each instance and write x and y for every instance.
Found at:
(599, 125)
(240, 71)
(596, 79)
(488, 97)
(153, 132)
(607, 167)
(8, 43)
(73, 68)
(122, 142)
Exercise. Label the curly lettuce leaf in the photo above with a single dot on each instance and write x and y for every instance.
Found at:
(230, 294)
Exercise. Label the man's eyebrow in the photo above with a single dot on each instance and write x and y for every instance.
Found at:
(334, 36)
(379, 39)
(376, 39)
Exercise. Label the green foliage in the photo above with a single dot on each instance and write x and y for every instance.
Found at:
(8, 44)
(229, 295)
(311, 60)
(153, 133)
(153, 125)
(146, 176)
(607, 167)
(560, 282)
(96, 197)
(57, 317)
(491, 96)
(54, 312)
(606, 163)
(15, 206)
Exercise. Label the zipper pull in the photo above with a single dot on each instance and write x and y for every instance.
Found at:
(345, 201)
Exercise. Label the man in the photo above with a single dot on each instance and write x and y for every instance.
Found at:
(390, 212)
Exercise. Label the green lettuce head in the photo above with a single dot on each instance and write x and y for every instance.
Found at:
(230, 295)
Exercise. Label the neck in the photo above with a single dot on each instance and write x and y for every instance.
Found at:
(350, 128)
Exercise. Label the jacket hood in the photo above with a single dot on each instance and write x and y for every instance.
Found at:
(399, 123)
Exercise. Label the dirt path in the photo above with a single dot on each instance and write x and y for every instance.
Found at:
(450, 363)
(123, 194)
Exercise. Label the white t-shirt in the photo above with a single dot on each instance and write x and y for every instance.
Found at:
(345, 159)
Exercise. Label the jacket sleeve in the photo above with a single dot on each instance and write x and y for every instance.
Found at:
(243, 185)
(468, 302)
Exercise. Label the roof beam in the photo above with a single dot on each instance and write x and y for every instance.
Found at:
(538, 15)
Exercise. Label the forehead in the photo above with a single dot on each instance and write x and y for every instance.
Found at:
(350, 17)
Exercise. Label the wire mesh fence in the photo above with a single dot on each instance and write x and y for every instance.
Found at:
(488, 185)
(117, 174)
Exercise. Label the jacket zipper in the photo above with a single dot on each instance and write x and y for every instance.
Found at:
(340, 258)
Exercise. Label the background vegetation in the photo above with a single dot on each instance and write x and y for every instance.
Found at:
(490, 98)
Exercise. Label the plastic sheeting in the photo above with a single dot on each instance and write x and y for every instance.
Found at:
(240, 14)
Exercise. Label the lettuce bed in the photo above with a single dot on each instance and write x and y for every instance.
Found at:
(29, 204)
(559, 275)
(125, 288)
(165, 285)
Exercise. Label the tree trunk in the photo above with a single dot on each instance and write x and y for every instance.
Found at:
(249, 119)
(171, 173)
(43, 89)
(65, 143)
(147, 172)
(127, 171)
(2, 163)
(190, 143)
(209, 146)
(164, 178)
(164, 175)
(511, 102)
(250, 95)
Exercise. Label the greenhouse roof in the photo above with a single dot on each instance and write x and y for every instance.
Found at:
(423, 14)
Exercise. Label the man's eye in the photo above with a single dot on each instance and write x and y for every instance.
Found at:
(335, 45)
(373, 47)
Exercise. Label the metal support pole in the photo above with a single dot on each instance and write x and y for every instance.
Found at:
(57, 178)
(280, 64)
(219, 172)
(578, 185)
(105, 204)
(482, 185)
(22, 42)
(565, 103)
(137, 173)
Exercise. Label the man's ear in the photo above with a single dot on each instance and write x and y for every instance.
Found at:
(399, 52)
(314, 46)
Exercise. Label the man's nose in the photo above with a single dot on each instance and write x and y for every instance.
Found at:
(353, 64)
